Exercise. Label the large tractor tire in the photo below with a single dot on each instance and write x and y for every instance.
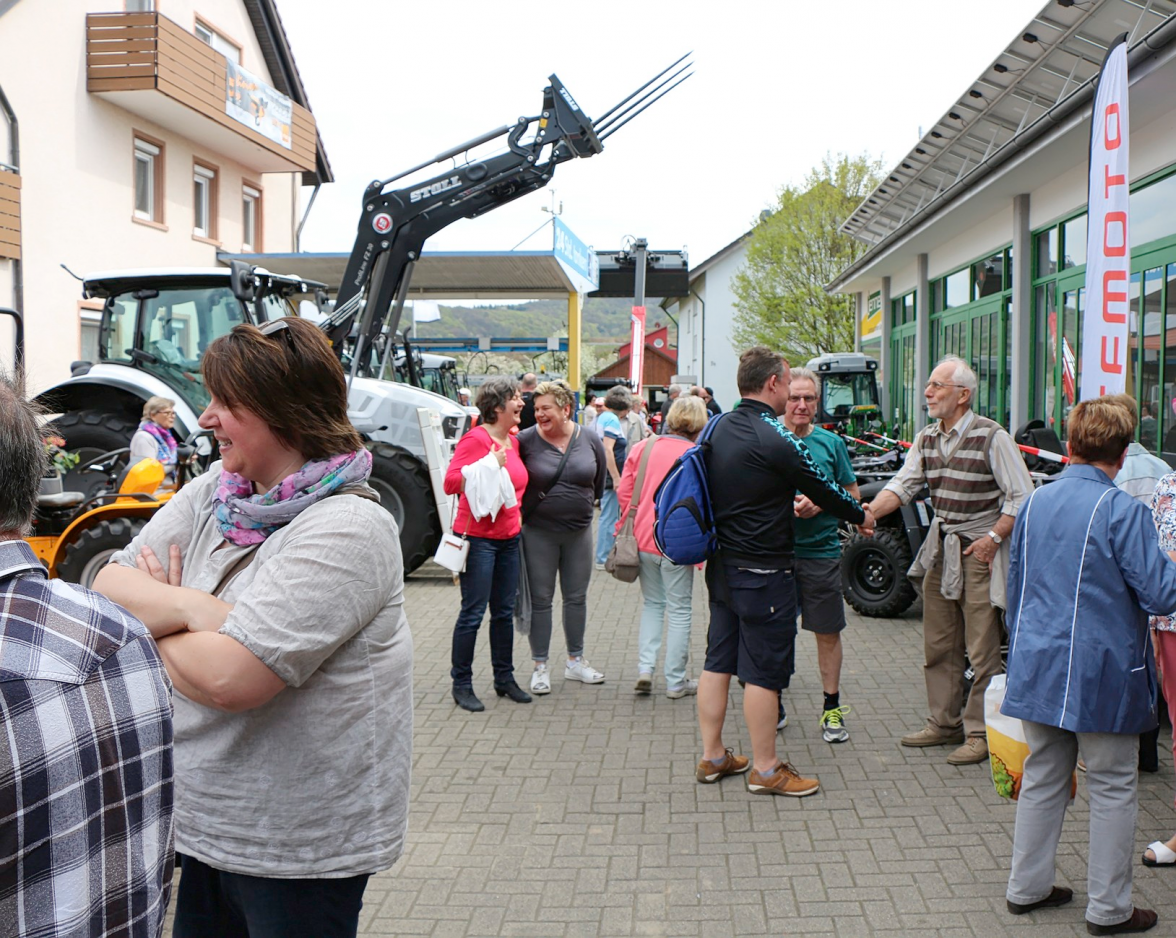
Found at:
(90, 433)
(93, 548)
(873, 573)
(406, 492)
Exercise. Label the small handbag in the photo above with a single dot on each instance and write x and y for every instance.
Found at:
(624, 560)
(453, 550)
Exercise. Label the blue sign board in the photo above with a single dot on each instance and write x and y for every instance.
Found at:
(577, 258)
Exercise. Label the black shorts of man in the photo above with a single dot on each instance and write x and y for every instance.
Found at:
(755, 466)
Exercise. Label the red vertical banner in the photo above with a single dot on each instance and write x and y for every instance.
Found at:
(1108, 246)
(637, 349)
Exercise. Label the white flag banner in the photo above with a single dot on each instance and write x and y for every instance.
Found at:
(637, 349)
(1108, 252)
(425, 311)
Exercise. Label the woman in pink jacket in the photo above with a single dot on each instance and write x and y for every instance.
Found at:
(665, 586)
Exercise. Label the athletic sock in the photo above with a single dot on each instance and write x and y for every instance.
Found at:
(833, 701)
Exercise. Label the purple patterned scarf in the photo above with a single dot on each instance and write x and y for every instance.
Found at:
(164, 440)
(245, 518)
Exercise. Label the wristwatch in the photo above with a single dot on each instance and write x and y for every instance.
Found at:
(996, 538)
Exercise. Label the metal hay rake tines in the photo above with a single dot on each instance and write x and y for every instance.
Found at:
(625, 110)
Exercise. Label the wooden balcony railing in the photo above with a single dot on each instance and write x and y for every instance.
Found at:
(132, 55)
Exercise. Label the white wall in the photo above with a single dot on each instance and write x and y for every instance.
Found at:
(77, 166)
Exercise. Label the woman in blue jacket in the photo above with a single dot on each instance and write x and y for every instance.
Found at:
(1086, 569)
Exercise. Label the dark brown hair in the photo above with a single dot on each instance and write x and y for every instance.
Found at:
(756, 366)
(290, 378)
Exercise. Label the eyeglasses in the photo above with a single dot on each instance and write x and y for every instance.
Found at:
(276, 325)
(799, 398)
(164, 413)
(939, 386)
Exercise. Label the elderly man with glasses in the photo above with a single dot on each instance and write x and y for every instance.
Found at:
(978, 481)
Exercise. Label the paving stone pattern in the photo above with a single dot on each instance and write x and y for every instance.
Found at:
(579, 815)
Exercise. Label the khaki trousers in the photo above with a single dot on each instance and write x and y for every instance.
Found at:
(949, 627)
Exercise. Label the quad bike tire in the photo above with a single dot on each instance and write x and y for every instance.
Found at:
(873, 574)
(407, 494)
(92, 549)
(90, 433)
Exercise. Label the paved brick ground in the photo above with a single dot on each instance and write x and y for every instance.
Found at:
(578, 815)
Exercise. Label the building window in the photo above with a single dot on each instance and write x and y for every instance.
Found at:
(204, 201)
(226, 47)
(140, 6)
(250, 219)
(148, 180)
(91, 330)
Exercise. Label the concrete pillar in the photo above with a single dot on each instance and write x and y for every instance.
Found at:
(575, 306)
(922, 337)
(886, 362)
(859, 310)
(1020, 315)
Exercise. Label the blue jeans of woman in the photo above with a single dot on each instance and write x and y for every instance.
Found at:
(666, 589)
(606, 533)
(491, 578)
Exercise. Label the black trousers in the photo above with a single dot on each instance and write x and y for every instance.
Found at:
(215, 904)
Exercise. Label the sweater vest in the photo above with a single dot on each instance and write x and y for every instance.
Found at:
(963, 486)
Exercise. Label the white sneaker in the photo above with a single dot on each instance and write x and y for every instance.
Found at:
(540, 682)
(689, 689)
(578, 669)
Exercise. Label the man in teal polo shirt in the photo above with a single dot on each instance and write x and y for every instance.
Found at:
(818, 548)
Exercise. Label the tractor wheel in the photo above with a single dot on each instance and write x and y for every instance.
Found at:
(873, 574)
(93, 548)
(406, 492)
(91, 433)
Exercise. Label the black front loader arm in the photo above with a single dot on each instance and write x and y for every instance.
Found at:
(395, 223)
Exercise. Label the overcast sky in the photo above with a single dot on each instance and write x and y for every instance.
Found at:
(776, 86)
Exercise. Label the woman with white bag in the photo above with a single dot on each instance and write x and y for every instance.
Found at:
(1085, 570)
(486, 471)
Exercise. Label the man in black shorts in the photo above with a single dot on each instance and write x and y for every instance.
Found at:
(755, 466)
(818, 548)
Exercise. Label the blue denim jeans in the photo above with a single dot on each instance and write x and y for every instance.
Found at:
(666, 589)
(491, 578)
(606, 534)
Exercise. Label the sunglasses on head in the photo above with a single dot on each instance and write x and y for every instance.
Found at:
(274, 326)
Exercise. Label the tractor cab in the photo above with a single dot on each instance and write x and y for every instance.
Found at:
(849, 391)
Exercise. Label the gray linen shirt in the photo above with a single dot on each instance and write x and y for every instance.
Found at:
(314, 783)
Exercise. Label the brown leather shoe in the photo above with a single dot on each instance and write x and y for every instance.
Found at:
(974, 749)
(1141, 920)
(708, 773)
(783, 780)
(932, 737)
(1059, 895)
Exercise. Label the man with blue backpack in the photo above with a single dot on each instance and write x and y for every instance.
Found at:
(754, 468)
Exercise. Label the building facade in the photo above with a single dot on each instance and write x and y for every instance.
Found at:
(978, 236)
(129, 154)
(706, 321)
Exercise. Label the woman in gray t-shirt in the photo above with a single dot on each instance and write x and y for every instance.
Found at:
(557, 527)
(273, 585)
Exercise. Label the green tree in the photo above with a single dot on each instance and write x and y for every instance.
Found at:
(793, 253)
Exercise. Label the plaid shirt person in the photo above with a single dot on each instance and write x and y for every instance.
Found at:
(85, 762)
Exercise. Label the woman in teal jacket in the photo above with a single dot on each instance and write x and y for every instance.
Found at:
(1086, 568)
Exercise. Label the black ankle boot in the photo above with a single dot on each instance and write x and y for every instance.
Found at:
(464, 697)
(513, 691)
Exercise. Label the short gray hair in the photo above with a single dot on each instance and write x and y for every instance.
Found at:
(674, 389)
(155, 404)
(22, 458)
(963, 375)
(618, 398)
(806, 375)
(496, 391)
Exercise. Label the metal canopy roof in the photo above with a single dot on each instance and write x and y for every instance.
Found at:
(454, 275)
(1052, 58)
